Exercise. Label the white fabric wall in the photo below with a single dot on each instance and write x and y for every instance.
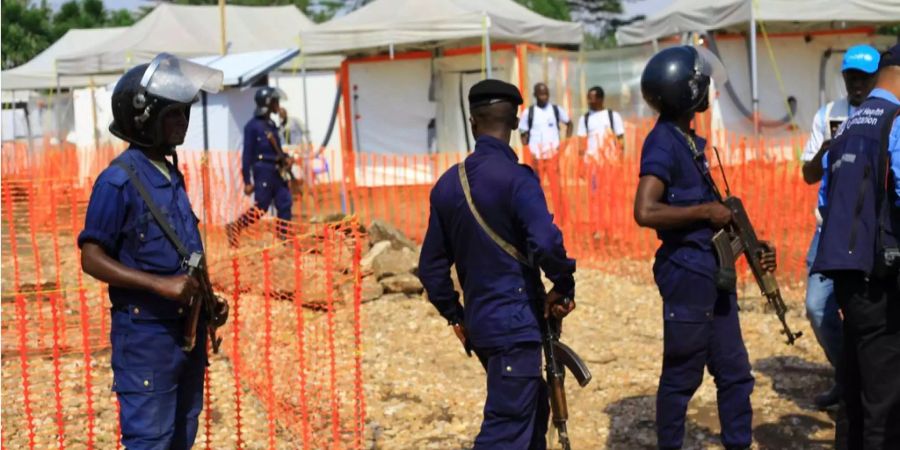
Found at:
(321, 87)
(392, 106)
(453, 115)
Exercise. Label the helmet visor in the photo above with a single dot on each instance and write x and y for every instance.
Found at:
(710, 65)
(279, 94)
(180, 80)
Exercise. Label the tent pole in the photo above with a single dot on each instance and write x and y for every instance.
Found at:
(305, 103)
(59, 131)
(14, 118)
(222, 45)
(754, 72)
(204, 170)
(94, 115)
(488, 61)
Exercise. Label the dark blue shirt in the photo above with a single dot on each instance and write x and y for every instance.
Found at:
(500, 293)
(258, 150)
(668, 156)
(119, 221)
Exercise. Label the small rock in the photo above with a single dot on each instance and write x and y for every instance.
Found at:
(371, 289)
(374, 252)
(392, 298)
(394, 262)
(382, 231)
(406, 283)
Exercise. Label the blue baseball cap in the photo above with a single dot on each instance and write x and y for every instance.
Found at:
(861, 57)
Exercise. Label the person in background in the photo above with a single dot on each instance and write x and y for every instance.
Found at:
(859, 250)
(858, 69)
(601, 137)
(266, 168)
(539, 128)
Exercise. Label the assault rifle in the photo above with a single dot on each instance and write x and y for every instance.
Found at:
(739, 238)
(558, 357)
(205, 302)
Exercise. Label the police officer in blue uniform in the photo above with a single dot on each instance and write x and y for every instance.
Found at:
(858, 249)
(701, 327)
(264, 159)
(500, 317)
(159, 386)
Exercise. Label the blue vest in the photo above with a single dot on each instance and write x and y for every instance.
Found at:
(857, 217)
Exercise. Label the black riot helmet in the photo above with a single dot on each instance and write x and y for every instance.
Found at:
(144, 94)
(676, 80)
(264, 98)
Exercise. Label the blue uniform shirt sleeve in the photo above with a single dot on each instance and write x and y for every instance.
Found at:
(545, 241)
(434, 270)
(823, 185)
(249, 150)
(894, 150)
(656, 160)
(105, 215)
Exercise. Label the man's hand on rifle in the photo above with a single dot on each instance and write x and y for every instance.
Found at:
(554, 304)
(180, 288)
(718, 215)
(221, 312)
(768, 256)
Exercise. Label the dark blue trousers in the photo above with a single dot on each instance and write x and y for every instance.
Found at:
(517, 410)
(269, 187)
(158, 385)
(701, 331)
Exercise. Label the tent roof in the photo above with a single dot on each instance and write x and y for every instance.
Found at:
(780, 15)
(242, 69)
(189, 31)
(383, 23)
(40, 73)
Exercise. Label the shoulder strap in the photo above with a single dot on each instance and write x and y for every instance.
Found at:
(587, 127)
(556, 115)
(154, 210)
(530, 117)
(612, 126)
(506, 246)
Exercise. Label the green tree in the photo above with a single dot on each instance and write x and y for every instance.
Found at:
(28, 29)
(25, 31)
(554, 9)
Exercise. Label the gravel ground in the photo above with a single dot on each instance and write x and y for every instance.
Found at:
(423, 393)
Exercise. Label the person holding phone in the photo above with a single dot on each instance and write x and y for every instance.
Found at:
(858, 70)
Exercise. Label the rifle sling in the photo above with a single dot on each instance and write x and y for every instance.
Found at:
(154, 210)
(510, 249)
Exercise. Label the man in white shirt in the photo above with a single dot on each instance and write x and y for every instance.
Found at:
(539, 128)
(601, 130)
(858, 69)
(601, 136)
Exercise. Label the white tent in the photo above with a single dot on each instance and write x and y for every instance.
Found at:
(684, 16)
(40, 72)
(190, 31)
(394, 23)
(402, 100)
(779, 15)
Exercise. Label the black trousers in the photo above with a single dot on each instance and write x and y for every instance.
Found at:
(871, 349)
